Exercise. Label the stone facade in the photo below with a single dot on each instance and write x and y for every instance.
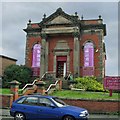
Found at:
(62, 38)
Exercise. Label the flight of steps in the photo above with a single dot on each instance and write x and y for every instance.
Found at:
(48, 79)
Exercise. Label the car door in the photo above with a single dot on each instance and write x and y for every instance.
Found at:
(47, 111)
(30, 108)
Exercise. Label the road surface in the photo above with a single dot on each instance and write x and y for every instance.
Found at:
(5, 115)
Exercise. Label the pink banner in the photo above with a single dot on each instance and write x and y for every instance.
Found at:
(88, 71)
(36, 71)
(36, 60)
(88, 55)
(36, 55)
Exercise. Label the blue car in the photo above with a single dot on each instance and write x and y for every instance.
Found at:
(38, 107)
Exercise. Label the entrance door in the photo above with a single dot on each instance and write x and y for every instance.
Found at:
(61, 66)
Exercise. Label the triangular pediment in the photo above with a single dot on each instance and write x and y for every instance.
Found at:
(59, 17)
(59, 20)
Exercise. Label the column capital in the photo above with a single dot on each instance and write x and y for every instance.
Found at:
(76, 34)
(43, 35)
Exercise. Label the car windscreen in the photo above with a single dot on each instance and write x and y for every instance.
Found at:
(59, 102)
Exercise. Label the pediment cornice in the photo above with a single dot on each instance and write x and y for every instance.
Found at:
(59, 17)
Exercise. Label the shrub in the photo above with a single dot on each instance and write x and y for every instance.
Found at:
(89, 84)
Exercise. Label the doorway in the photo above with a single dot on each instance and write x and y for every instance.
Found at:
(61, 67)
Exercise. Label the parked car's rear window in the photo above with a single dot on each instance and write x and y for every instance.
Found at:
(31, 100)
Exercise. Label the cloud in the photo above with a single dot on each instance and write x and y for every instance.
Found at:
(60, 1)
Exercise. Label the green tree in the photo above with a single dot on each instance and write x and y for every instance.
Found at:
(15, 72)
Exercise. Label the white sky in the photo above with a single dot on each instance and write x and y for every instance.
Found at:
(15, 16)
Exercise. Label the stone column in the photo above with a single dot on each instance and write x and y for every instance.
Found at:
(14, 87)
(76, 53)
(43, 61)
(100, 47)
(46, 57)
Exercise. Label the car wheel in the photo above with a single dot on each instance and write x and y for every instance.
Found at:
(68, 118)
(19, 116)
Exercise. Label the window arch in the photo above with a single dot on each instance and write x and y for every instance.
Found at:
(36, 55)
(88, 54)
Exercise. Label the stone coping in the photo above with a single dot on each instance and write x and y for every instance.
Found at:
(6, 94)
(87, 99)
(82, 99)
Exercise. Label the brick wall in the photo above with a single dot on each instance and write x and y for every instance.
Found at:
(30, 42)
(95, 106)
(6, 100)
(94, 38)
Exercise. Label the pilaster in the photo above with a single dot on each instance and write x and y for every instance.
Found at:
(27, 51)
(43, 60)
(46, 56)
(76, 52)
(100, 56)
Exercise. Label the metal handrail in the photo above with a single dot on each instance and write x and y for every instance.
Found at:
(29, 84)
(43, 75)
(52, 85)
(68, 75)
(46, 73)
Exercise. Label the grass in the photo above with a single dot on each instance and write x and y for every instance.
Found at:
(5, 91)
(85, 95)
(77, 94)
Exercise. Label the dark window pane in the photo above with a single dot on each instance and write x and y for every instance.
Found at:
(31, 101)
(45, 102)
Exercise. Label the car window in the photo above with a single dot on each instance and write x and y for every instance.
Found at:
(31, 100)
(20, 101)
(45, 102)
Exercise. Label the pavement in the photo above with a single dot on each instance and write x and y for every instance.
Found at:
(5, 115)
(5, 112)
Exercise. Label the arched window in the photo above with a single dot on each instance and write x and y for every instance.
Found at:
(36, 55)
(88, 54)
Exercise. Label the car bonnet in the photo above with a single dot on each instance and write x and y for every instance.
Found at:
(74, 109)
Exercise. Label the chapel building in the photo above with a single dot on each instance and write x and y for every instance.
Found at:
(63, 43)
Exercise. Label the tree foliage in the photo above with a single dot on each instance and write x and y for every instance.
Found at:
(15, 72)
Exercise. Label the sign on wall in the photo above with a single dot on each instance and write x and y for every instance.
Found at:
(112, 83)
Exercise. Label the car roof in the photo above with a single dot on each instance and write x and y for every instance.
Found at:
(38, 95)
